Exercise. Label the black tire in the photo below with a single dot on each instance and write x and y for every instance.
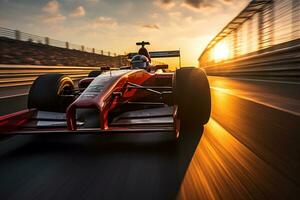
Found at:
(46, 93)
(191, 94)
(94, 73)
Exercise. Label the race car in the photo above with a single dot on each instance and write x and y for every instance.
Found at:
(140, 98)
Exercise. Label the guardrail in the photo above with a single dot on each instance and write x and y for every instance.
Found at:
(22, 36)
(16, 75)
(281, 62)
(262, 40)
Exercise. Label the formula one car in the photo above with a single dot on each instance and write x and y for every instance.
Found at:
(139, 98)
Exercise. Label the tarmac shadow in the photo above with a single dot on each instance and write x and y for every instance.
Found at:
(109, 167)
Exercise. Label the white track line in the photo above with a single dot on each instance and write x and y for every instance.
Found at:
(14, 95)
(266, 81)
(226, 91)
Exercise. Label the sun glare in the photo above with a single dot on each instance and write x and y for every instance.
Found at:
(221, 51)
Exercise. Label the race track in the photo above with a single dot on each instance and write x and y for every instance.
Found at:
(248, 150)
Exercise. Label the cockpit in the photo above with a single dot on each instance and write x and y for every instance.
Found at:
(139, 62)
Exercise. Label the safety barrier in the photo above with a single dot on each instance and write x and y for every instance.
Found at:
(263, 39)
(280, 62)
(22, 36)
(16, 75)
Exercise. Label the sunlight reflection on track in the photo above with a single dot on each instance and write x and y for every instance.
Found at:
(223, 168)
(249, 149)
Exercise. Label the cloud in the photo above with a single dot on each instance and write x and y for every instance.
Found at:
(55, 18)
(78, 12)
(51, 13)
(166, 1)
(51, 7)
(151, 26)
(93, 1)
(103, 22)
(175, 14)
(165, 4)
(154, 15)
(195, 5)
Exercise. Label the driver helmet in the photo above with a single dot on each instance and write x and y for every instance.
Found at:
(139, 62)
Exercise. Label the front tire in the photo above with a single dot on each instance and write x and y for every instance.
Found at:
(46, 93)
(192, 97)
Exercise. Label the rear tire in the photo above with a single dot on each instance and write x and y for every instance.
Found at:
(191, 94)
(47, 90)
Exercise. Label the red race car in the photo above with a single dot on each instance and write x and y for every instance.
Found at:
(138, 98)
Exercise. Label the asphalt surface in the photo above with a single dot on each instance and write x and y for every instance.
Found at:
(13, 99)
(248, 150)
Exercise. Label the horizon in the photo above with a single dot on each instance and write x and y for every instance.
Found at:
(116, 25)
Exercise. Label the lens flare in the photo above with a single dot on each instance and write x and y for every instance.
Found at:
(221, 51)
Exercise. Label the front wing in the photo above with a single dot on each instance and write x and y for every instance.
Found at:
(32, 121)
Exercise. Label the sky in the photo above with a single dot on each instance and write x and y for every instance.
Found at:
(115, 25)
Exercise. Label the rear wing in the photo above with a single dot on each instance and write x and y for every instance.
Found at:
(165, 54)
(159, 54)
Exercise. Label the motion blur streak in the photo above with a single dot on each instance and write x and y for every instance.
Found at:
(279, 95)
(225, 168)
(248, 150)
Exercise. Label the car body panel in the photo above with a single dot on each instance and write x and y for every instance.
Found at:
(98, 95)
(125, 100)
